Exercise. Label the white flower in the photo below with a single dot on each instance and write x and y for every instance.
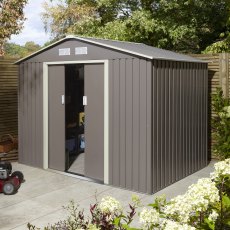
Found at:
(204, 192)
(110, 205)
(213, 216)
(222, 168)
(198, 197)
(180, 207)
(172, 225)
(149, 217)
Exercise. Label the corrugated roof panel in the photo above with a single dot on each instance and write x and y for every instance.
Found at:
(137, 49)
(144, 50)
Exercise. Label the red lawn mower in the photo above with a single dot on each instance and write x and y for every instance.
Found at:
(9, 182)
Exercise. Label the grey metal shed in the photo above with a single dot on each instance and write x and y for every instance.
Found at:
(122, 113)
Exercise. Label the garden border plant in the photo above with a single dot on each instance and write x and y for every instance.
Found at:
(221, 124)
(205, 205)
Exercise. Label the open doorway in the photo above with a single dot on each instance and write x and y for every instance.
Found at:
(74, 119)
(76, 131)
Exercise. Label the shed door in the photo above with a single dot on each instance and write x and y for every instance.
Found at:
(56, 87)
(94, 121)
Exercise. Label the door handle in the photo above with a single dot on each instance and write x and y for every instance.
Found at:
(84, 100)
(62, 99)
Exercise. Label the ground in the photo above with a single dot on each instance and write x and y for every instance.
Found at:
(41, 198)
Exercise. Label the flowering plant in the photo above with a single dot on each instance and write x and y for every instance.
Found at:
(205, 205)
(109, 205)
(149, 217)
(105, 215)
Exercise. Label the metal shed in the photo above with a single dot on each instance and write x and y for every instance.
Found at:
(122, 113)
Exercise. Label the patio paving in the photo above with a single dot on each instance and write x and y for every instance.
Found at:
(41, 198)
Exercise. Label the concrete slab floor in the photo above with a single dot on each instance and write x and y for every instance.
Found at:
(41, 198)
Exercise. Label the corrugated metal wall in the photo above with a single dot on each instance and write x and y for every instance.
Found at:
(130, 124)
(31, 114)
(180, 101)
(157, 119)
(31, 95)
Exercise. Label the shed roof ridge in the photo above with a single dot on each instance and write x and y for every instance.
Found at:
(105, 39)
(138, 53)
(137, 49)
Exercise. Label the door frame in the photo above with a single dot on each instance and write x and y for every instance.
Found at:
(106, 111)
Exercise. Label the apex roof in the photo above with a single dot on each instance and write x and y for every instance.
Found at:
(138, 49)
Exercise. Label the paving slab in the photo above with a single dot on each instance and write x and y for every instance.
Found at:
(41, 198)
(181, 186)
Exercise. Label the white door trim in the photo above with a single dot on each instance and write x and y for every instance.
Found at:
(106, 111)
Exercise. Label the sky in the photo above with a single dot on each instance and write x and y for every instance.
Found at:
(33, 26)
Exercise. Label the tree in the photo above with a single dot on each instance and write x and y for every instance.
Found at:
(221, 46)
(180, 25)
(31, 47)
(14, 50)
(222, 43)
(11, 19)
(17, 51)
(61, 17)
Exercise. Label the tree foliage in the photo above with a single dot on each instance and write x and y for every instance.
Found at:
(180, 25)
(11, 19)
(16, 51)
(61, 17)
(222, 43)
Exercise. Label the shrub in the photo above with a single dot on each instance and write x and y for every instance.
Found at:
(221, 125)
(205, 205)
(105, 215)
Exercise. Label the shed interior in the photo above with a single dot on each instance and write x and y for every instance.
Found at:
(74, 118)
